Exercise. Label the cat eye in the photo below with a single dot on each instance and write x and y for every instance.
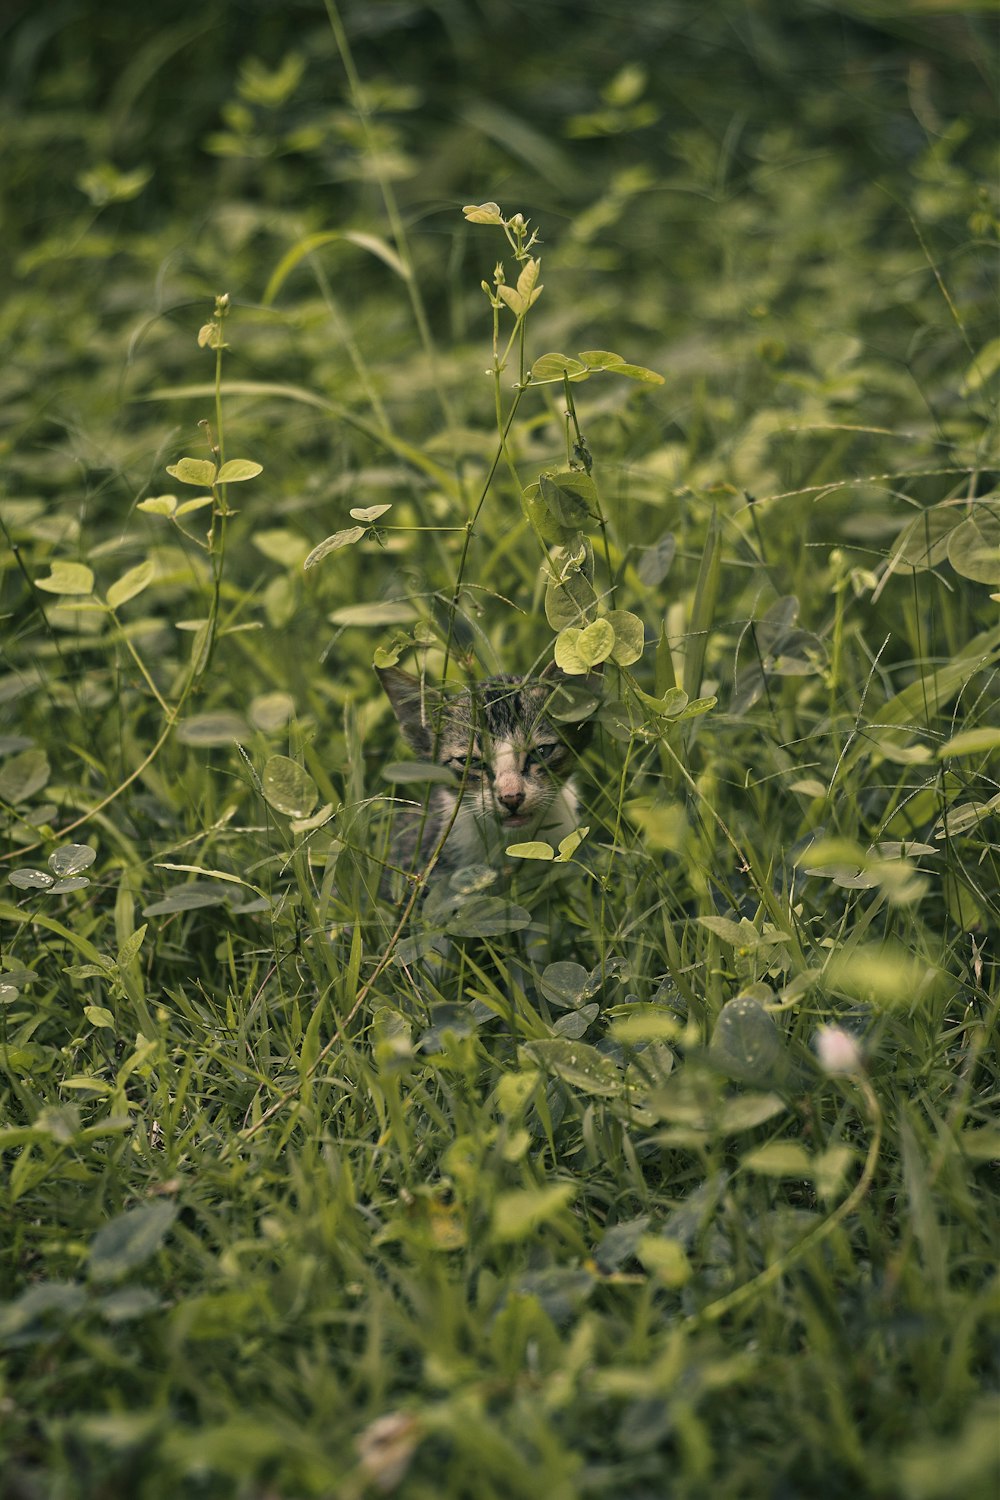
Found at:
(474, 765)
(541, 754)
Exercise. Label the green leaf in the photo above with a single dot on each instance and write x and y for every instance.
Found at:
(487, 916)
(213, 729)
(99, 1017)
(780, 1159)
(67, 578)
(576, 651)
(195, 471)
(31, 880)
(638, 372)
(129, 949)
(288, 787)
(129, 584)
(629, 636)
(483, 213)
(570, 496)
(236, 470)
(198, 503)
(747, 1111)
(665, 1259)
(518, 1214)
(579, 1065)
(532, 850)
(23, 775)
(745, 1043)
(370, 513)
(569, 601)
(190, 897)
(971, 742)
(388, 612)
(600, 359)
(982, 368)
(71, 859)
(551, 368)
(282, 546)
(568, 985)
(571, 843)
(159, 505)
(345, 538)
(129, 1240)
(974, 546)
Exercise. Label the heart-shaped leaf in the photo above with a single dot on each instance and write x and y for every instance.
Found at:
(67, 578)
(197, 471)
(236, 470)
(288, 787)
(345, 538)
(129, 584)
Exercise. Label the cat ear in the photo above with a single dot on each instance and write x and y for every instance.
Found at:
(414, 704)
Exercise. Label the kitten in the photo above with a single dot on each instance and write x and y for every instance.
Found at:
(514, 762)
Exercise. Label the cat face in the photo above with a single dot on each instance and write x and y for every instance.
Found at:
(495, 737)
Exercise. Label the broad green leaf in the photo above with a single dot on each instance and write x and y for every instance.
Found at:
(974, 546)
(569, 601)
(23, 775)
(159, 505)
(288, 787)
(650, 1024)
(487, 916)
(71, 859)
(270, 712)
(579, 1065)
(532, 850)
(551, 368)
(370, 513)
(780, 1159)
(282, 546)
(39, 1312)
(576, 651)
(665, 1259)
(745, 1043)
(629, 636)
(567, 985)
(483, 213)
(189, 506)
(982, 368)
(923, 542)
(236, 470)
(190, 897)
(129, 584)
(67, 578)
(130, 1239)
(972, 742)
(570, 496)
(518, 1214)
(747, 1111)
(130, 948)
(571, 843)
(99, 1017)
(637, 372)
(70, 883)
(654, 562)
(600, 359)
(388, 612)
(199, 472)
(213, 729)
(345, 538)
(883, 974)
(527, 281)
(513, 299)
(31, 880)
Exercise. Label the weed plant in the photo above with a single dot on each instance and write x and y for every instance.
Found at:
(659, 1163)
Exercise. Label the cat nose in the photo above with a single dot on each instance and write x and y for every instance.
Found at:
(512, 800)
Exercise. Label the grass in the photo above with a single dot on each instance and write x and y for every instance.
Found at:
(311, 1192)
